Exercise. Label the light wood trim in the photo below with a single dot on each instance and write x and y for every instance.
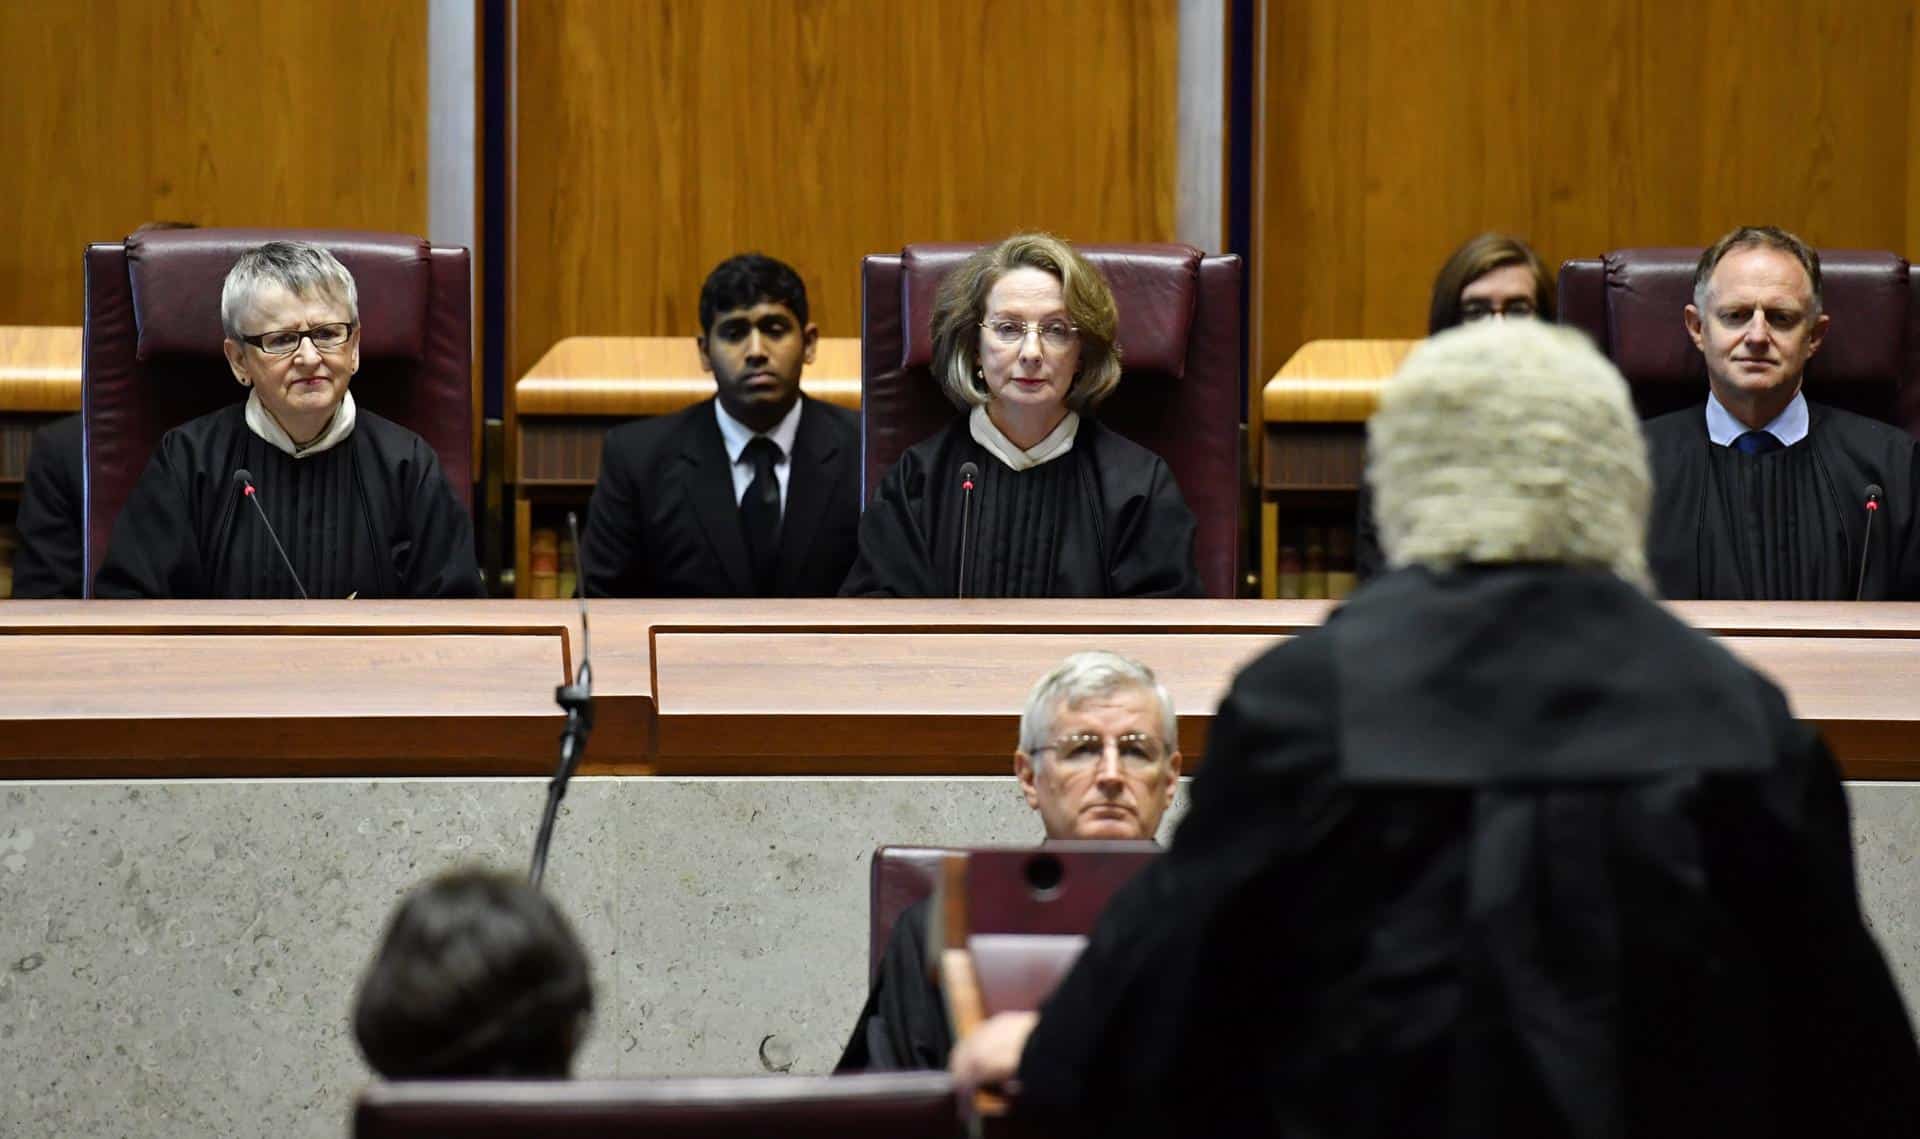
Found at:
(1320, 401)
(658, 375)
(39, 368)
(1332, 381)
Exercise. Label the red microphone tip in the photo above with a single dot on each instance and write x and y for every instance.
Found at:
(968, 485)
(247, 490)
(1873, 504)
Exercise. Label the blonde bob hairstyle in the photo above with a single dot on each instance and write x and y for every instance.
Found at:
(961, 304)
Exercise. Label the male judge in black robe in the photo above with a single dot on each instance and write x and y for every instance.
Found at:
(1503, 849)
(358, 505)
(1099, 758)
(1761, 494)
(48, 561)
(1026, 495)
(754, 493)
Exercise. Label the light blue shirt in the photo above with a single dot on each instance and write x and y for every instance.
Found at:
(1790, 426)
(735, 435)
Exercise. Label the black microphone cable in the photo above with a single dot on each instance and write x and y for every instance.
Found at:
(244, 479)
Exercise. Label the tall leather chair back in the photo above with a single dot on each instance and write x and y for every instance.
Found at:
(1179, 394)
(1631, 301)
(152, 358)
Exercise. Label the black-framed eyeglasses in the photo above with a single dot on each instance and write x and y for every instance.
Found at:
(1055, 335)
(1136, 749)
(1516, 309)
(286, 341)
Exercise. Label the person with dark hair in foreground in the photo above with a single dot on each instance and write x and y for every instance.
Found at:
(479, 976)
(1024, 343)
(1493, 276)
(1502, 849)
(1762, 493)
(754, 493)
(1099, 758)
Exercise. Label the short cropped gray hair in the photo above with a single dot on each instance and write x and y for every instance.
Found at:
(1084, 676)
(304, 270)
(1510, 441)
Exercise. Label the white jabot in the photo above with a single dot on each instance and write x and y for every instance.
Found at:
(1790, 426)
(735, 435)
(1058, 442)
(262, 423)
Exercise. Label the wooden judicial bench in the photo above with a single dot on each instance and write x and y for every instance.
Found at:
(182, 689)
(560, 411)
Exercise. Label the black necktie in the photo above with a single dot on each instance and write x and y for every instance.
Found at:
(760, 511)
(1757, 443)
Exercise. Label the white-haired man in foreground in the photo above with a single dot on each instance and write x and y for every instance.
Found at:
(1503, 849)
(1099, 758)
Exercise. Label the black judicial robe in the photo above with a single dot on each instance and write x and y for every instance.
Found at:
(904, 1023)
(1104, 520)
(1789, 525)
(372, 517)
(52, 525)
(1493, 852)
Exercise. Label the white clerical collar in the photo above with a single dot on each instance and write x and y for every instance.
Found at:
(735, 435)
(1790, 426)
(262, 423)
(1058, 442)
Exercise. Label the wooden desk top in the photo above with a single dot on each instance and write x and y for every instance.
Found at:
(769, 686)
(1332, 381)
(626, 376)
(39, 368)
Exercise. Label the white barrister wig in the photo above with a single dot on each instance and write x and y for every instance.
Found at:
(1510, 441)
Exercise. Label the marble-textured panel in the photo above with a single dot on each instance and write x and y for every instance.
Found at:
(179, 958)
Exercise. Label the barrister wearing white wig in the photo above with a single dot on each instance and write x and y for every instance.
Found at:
(1507, 442)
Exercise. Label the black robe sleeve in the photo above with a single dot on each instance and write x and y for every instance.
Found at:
(1153, 529)
(48, 561)
(155, 551)
(434, 555)
(904, 1024)
(896, 551)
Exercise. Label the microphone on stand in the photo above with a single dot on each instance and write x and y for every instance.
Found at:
(1873, 508)
(968, 472)
(243, 478)
(576, 700)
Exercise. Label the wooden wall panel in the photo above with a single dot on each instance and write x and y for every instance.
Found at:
(1390, 132)
(656, 137)
(220, 112)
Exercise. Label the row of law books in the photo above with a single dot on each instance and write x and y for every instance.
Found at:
(1315, 561)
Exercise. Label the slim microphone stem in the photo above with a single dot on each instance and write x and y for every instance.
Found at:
(1866, 546)
(968, 472)
(576, 700)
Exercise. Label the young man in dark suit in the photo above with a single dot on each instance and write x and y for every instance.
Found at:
(754, 493)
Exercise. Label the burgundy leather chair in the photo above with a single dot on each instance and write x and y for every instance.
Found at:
(898, 877)
(152, 357)
(1631, 300)
(895, 1105)
(1179, 395)
(1023, 914)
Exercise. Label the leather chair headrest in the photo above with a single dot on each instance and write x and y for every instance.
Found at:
(177, 276)
(1154, 287)
(1864, 291)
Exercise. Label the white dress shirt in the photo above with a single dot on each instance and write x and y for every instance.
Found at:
(263, 424)
(735, 435)
(1790, 426)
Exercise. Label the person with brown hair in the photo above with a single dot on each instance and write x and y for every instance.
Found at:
(1056, 505)
(1494, 276)
(1763, 494)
